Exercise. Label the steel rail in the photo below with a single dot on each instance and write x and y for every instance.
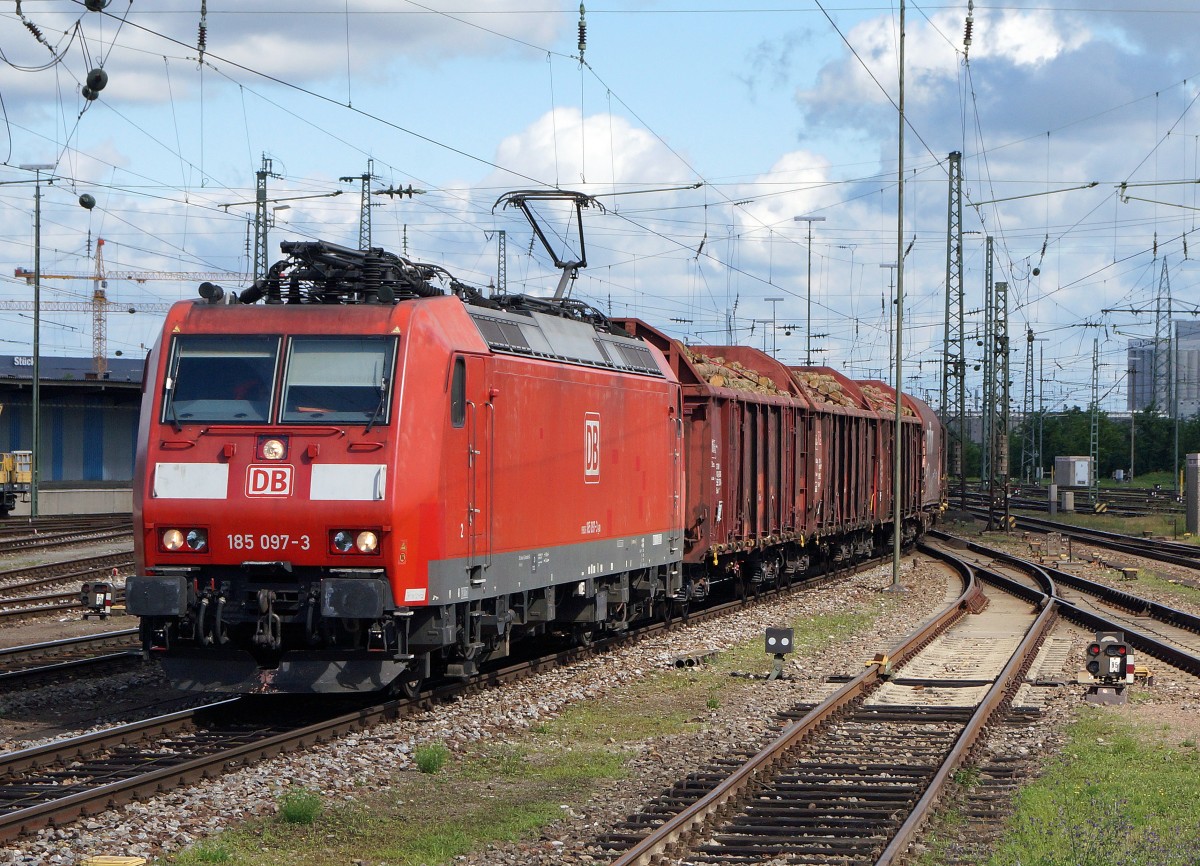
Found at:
(45, 659)
(696, 815)
(1175, 553)
(50, 669)
(63, 539)
(70, 569)
(998, 696)
(36, 650)
(1152, 646)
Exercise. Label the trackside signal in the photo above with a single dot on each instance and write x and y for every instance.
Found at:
(1109, 660)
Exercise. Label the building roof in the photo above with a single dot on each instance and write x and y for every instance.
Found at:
(59, 369)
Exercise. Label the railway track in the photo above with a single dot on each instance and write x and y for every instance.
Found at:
(852, 779)
(1117, 502)
(36, 663)
(1175, 553)
(18, 595)
(47, 533)
(1168, 634)
(62, 781)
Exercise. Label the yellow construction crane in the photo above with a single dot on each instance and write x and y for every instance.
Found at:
(100, 305)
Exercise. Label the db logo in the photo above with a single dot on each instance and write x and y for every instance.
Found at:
(269, 481)
(591, 448)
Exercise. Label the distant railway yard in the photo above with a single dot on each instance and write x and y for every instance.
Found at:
(901, 729)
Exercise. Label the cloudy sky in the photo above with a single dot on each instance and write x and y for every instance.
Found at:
(702, 129)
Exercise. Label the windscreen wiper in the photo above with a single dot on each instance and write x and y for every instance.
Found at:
(170, 389)
(383, 389)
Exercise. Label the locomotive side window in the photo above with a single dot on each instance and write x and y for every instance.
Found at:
(344, 379)
(458, 393)
(226, 379)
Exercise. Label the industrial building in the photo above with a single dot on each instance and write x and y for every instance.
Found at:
(1152, 377)
(88, 429)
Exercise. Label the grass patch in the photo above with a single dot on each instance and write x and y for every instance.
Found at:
(810, 634)
(938, 840)
(1113, 797)
(431, 757)
(299, 806)
(511, 762)
(497, 794)
(967, 777)
(380, 833)
(1153, 580)
(204, 853)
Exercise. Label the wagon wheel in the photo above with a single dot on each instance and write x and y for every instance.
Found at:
(682, 606)
(583, 634)
(408, 684)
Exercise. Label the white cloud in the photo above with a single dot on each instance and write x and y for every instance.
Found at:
(1028, 38)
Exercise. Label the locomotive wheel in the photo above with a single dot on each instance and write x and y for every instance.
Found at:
(583, 634)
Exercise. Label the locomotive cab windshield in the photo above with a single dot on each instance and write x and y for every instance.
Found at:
(231, 380)
(337, 379)
(221, 379)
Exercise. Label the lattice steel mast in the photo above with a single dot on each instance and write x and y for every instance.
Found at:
(954, 363)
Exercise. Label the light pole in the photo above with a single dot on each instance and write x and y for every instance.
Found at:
(774, 345)
(37, 322)
(808, 313)
(764, 323)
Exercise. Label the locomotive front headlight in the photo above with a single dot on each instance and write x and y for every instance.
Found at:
(353, 541)
(197, 539)
(273, 449)
(172, 539)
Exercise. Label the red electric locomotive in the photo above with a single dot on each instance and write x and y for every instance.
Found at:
(363, 480)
